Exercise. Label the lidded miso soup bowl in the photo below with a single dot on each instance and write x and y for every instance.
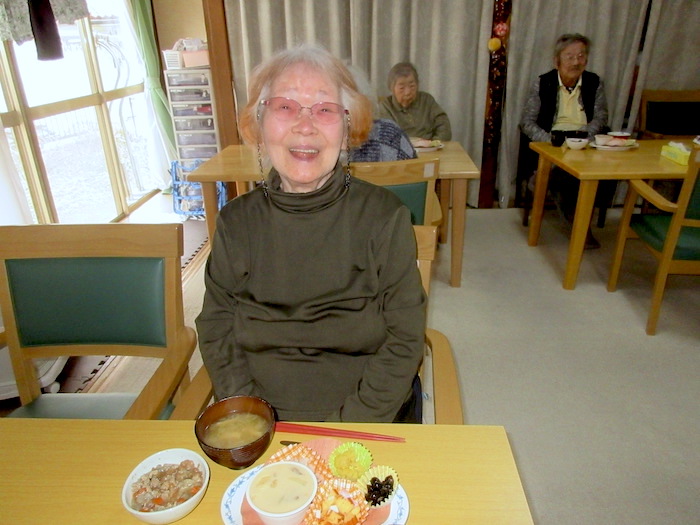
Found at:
(243, 456)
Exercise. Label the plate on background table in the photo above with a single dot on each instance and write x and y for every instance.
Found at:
(233, 499)
(425, 145)
(433, 148)
(614, 148)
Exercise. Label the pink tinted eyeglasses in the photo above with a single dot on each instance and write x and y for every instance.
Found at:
(287, 109)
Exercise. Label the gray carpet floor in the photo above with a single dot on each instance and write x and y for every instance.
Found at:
(602, 418)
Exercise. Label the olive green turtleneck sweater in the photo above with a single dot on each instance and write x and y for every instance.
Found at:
(314, 302)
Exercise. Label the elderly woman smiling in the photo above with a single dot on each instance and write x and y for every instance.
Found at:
(313, 299)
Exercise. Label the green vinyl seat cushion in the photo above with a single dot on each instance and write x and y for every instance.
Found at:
(82, 406)
(652, 229)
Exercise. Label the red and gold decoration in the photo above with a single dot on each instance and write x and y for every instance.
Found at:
(495, 99)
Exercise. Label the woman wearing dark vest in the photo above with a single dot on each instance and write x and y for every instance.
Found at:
(567, 99)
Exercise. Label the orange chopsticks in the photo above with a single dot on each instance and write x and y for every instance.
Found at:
(283, 426)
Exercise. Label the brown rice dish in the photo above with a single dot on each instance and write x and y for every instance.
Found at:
(166, 486)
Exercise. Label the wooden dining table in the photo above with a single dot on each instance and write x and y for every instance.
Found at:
(72, 471)
(591, 166)
(239, 164)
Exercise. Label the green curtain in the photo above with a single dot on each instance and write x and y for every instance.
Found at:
(142, 13)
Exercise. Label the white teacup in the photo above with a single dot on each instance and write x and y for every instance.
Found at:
(602, 140)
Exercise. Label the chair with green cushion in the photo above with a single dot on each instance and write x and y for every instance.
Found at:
(107, 289)
(673, 237)
(413, 181)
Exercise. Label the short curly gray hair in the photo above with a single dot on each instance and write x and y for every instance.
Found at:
(402, 69)
(567, 39)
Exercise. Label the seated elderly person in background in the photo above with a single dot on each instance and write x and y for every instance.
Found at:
(415, 111)
(570, 100)
(386, 140)
(313, 298)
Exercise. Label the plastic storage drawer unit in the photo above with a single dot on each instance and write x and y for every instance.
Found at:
(187, 196)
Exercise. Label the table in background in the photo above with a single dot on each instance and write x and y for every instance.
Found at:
(591, 166)
(456, 169)
(239, 164)
(72, 471)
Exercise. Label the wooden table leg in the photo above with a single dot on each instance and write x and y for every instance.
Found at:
(211, 207)
(544, 166)
(459, 219)
(582, 221)
(444, 198)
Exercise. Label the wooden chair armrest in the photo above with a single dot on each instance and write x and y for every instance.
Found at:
(446, 392)
(165, 380)
(646, 191)
(3, 338)
(195, 398)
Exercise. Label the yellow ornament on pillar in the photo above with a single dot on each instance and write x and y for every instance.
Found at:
(494, 44)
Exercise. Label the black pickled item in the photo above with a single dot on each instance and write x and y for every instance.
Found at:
(378, 490)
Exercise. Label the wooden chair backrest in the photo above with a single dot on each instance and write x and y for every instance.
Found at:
(666, 113)
(104, 267)
(410, 178)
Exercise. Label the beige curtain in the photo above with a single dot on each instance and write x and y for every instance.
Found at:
(670, 58)
(445, 39)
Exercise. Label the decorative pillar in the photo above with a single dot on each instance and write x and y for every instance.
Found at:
(495, 99)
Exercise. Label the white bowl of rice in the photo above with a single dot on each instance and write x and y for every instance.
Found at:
(166, 486)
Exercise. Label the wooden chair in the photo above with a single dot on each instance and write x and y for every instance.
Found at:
(107, 289)
(413, 181)
(446, 392)
(673, 238)
(669, 114)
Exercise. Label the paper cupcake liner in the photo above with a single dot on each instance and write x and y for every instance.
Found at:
(374, 497)
(350, 460)
(337, 501)
(305, 456)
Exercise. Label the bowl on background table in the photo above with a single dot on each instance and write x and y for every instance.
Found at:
(620, 134)
(575, 143)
